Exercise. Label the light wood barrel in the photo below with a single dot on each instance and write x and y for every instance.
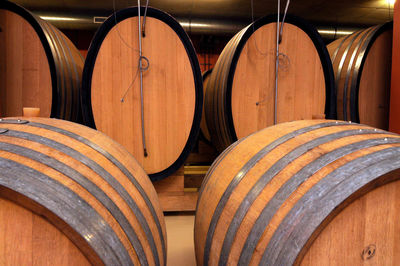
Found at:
(39, 66)
(203, 124)
(240, 96)
(362, 66)
(172, 89)
(69, 195)
(309, 192)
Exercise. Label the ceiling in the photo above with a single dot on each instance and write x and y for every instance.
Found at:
(333, 13)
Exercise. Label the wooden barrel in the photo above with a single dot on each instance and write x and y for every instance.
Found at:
(203, 124)
(172, 89)
(362, 66)
(310, 192)
(39, 66)
(240, 95)
(69, 195)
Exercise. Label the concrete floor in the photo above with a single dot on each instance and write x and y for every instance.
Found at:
(180, 240)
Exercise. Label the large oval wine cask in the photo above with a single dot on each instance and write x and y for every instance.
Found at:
(39, 66)
(309, 192)
(203, 124)
(362, 66)
(69, 195)
(240, 96)
(172, 88)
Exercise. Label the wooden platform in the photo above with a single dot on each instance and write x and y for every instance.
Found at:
(179, 192)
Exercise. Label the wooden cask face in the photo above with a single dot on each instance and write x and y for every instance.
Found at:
(301, 81)
(365, 233)
(168, 91)
(29, 239)
(240, 97)
(69, 171)
(268, 196)
(24, 68)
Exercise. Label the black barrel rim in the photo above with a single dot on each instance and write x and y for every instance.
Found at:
(94, 48)
(202, 136)
(354, 101)
(330, 95)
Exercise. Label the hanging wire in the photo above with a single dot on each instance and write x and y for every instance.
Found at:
(130, 86)
(279, 31)
(141, 65)
(277, 65)
(252, 22)
(141, 81)
(129, 46)
(118, 32)
(278, 55)
(141, 58)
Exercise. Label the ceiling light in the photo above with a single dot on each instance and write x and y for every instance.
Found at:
(333, 32)
(58, 18)
(391, 2)
(194, 25)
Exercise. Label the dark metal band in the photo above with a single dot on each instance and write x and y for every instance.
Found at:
(13, 121)
(354, 87)
(349, 72)
(215, 101)
(340, 68)
(225, 94)
(101, 172)
(3, 130)
(316, 205)
(67, 206)
(227, 135)
(60, 107)
(214, 165)
(67, 74)
(202, 135)
(120, 166)
(245, 169)
(75, 89)
(294, 182)
(258, 187)
(221, 133)
(86, 184)
(333, 57)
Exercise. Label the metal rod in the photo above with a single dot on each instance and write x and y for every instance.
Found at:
(144, 20)
(283, 20)
(277, 67)
(141, 82)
